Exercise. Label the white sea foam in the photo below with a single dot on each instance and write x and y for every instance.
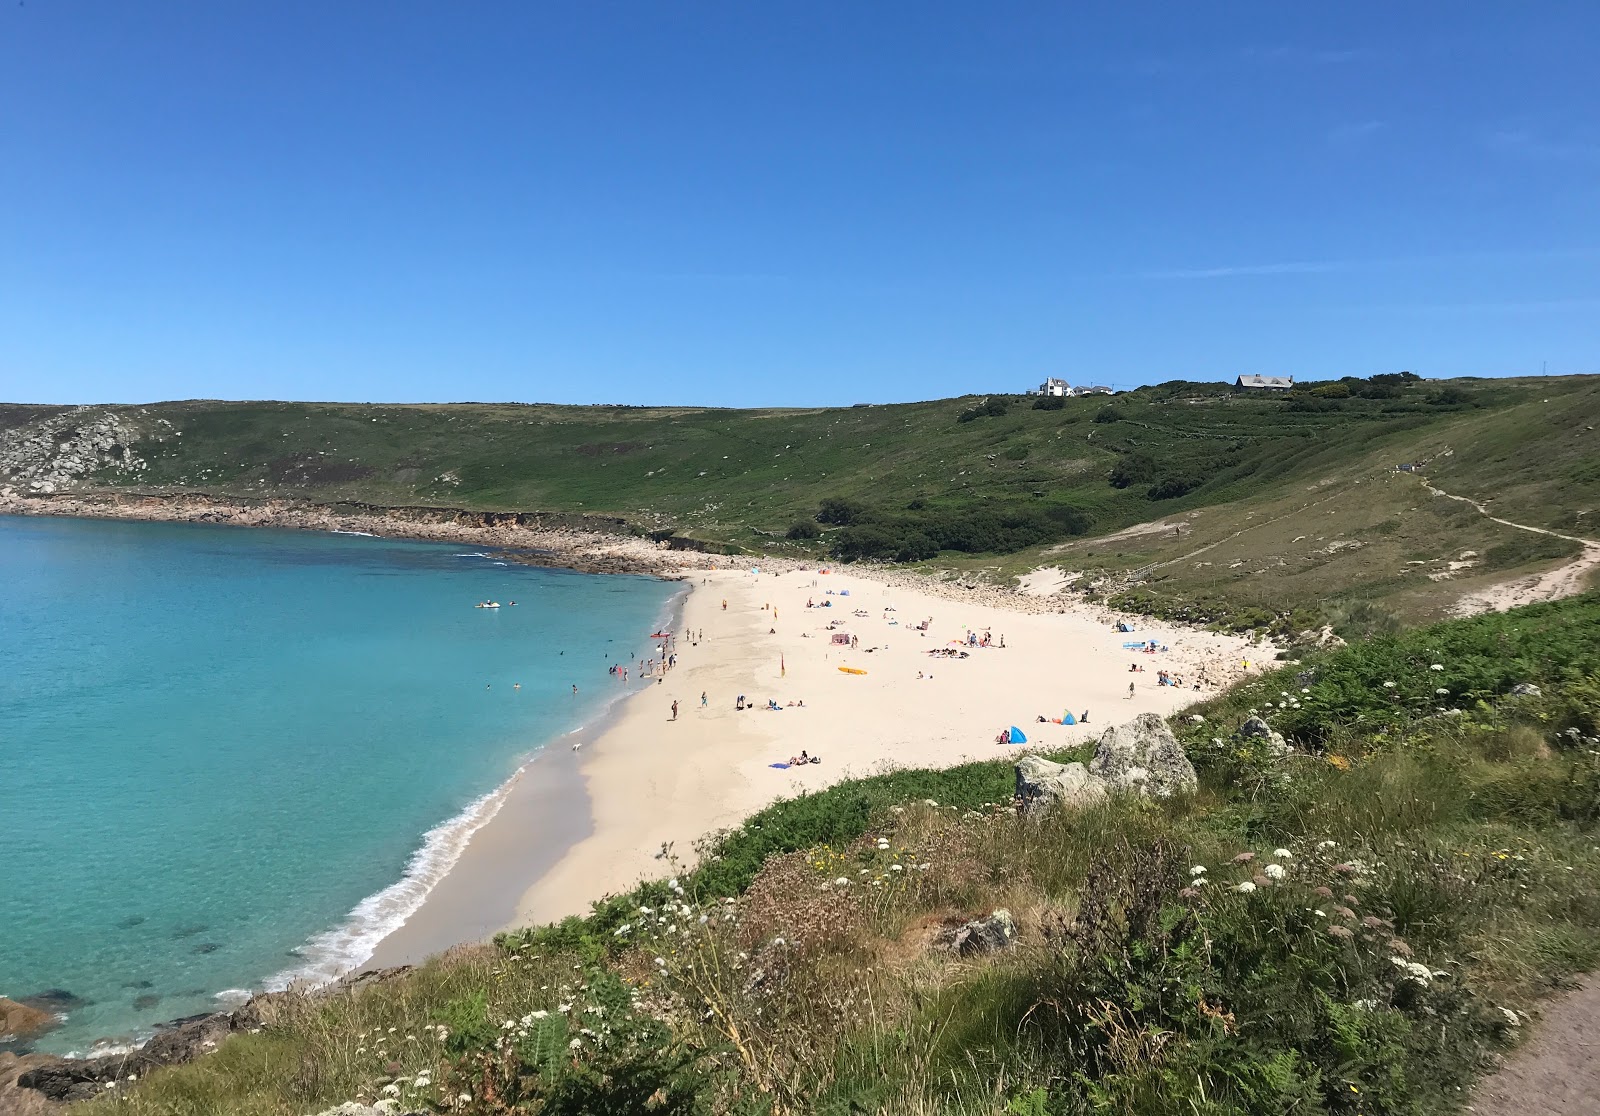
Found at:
(333, 953)
(473, 555)
(363, 534)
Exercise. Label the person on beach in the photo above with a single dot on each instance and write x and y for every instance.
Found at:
(574, 689)
(1130, 691)
(674, 709)
(703, 702)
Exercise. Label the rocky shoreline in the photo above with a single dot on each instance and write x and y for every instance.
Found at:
(587, 544)
(40, 1082)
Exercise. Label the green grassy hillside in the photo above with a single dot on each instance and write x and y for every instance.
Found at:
(1279, 483)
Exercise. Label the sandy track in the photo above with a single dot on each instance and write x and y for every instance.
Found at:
(1563, 581)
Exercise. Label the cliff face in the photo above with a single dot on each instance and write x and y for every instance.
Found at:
(60, 451)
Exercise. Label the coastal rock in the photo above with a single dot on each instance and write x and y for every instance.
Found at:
(75, 1079)
(983, 935)
(1143, 755)
(1256, 728)
(183, 1040)
(24, 1021)
(1043, 785)
(1526, 689)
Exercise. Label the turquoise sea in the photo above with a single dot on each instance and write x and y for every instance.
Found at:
(229, 757)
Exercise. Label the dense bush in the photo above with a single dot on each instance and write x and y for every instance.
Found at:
(802, 529)
(839, 512)
(1050, 403)
(993, 407)
(918, 534)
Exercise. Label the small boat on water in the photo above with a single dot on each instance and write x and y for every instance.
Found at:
(487, 604)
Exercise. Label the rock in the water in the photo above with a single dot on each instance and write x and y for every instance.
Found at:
(984, 935)
(1526, 689)
(1043, 785)
(1255, 727)
(1144, 756)
(24, 1021)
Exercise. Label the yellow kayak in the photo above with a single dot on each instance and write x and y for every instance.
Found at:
(852, 670)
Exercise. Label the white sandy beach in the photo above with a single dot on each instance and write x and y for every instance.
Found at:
(652, 781)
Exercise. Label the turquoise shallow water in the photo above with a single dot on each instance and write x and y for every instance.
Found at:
(230, 755)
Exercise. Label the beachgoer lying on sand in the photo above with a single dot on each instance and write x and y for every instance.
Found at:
(802, 759)
(772, 704)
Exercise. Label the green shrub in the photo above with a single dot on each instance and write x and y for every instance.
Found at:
(802, 530)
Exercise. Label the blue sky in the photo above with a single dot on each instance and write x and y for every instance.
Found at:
(786, 203)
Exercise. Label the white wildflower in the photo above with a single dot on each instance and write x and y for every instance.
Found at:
(896, 868)
(1388, 685)
(842, 881)
(1247, 887)
(1326, 844)
(1437, 666)
(1198, 870)
(1274, 871)
(392, 1089)
(1282, 854)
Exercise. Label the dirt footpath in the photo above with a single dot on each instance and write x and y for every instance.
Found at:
(1557, 1072)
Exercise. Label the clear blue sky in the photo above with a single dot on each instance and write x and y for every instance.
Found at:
(786, 203)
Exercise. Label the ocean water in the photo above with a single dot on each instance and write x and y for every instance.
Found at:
(230, 756)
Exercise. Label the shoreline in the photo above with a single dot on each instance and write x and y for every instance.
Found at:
(544, 810)
(572, 824)
(656, 786)
(586, 544)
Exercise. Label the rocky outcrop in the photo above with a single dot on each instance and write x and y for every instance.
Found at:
(24, 1021)
(55, 453)
(1044, 785)
(1257, 729)
(184, 1040)
(982, 935)
(1525, 689)
(1143, 755)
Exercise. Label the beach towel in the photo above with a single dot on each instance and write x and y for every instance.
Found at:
(779, 765)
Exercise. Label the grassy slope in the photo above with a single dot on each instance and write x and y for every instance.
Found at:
(1461, 844)
(1278, 485)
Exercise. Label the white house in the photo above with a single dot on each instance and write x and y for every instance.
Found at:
(1096, 389)
(1053, 386)
(1267, 383)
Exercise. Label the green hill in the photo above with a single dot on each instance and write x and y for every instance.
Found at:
(992, 485)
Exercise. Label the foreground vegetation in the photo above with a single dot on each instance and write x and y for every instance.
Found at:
(1353, 927)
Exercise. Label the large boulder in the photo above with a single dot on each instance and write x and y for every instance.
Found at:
(24, 1021)
(1043, 785)
(1143, 755)
(1257, 729)
(983, 935)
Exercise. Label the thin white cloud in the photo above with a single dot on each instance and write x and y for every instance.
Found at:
(1300, 267)
(1318, 267)
(1523, 143)
(1348, 135)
